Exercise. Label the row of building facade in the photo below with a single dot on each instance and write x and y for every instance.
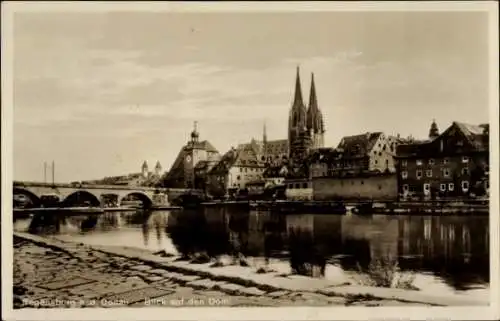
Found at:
(451, 164)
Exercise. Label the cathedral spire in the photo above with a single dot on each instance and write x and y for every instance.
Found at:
(313, 100)
(314, 116)
(297, 101)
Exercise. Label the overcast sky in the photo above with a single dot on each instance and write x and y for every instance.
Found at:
(100, 93)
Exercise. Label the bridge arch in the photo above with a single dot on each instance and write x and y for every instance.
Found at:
(145, 199)
(32, 198)
(81, 198)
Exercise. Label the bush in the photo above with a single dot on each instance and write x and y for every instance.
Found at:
(385, 272)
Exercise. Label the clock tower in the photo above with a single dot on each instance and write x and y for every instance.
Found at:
(191, 157)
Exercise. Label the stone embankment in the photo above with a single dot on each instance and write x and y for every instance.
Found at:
(50, 273)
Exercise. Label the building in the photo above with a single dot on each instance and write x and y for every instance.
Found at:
(305, 126)
(305, 132)
(189, 160)
(275, 175)
(362, 167)
(364, 186)
(369, 152)
(235, 169)
(142, 178)
(454, 164)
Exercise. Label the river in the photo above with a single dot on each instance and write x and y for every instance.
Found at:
(439, 254)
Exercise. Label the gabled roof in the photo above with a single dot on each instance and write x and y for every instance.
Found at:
(275, 171)
(325, 155)
(477, 136)
(205, 145)
(226, 162)
(358, 145)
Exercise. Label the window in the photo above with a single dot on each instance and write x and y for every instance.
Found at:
(304, 185)
(465, 171)
(297, 185)
(431, 161)
(442, 187)
(405, 188)
(465, 186)
(446, 172)
(404, 174)
(445, 160)
(451, 186)
(376, 162)
(404, 162)
(419, 174)
(428, 173)
(419, 162)
(379, 153)
(427, 187)
(465, 159)
(238, 177)
(362, 182)
(241, 170)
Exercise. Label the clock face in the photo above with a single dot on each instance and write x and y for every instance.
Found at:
(188, 158)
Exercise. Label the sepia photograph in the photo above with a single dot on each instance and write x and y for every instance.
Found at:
(243, 160)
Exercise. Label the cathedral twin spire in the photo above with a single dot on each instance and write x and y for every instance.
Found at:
(311, 119)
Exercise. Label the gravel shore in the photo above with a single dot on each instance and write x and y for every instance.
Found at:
(50, 273)
(47, 277)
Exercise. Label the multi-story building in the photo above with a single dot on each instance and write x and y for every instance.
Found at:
(182, 173)
(361, 167)
(365, 153)
(235, 169)
(453, 164)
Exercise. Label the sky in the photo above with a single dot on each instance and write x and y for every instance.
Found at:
(99, 93)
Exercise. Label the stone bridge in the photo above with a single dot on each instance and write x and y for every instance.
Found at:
(99, 195)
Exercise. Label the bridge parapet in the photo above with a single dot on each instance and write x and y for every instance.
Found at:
(157, 196)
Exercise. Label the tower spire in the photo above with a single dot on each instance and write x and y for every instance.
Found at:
(313, 100)
(433, 131)
(297, 101)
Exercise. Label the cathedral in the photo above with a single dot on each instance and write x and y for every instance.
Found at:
(306, 128)
(305, 131)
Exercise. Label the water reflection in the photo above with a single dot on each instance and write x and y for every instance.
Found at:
(454, 250)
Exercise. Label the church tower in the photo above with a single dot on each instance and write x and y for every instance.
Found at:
(158, 168)
(145, 170)
(297, 131)
(315, 125)
(433, 131)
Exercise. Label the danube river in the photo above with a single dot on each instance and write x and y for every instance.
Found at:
(441, 254)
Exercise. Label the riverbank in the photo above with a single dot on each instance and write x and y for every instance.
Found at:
(126, 276)
(480, 208)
